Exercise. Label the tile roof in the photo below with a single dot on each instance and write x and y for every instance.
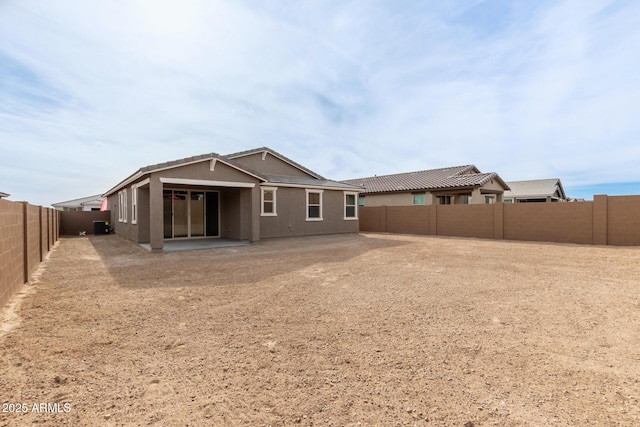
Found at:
(311, 182)
(433, 179)
(76, 203)
(314, 180)
(178, 162)
(535, 188)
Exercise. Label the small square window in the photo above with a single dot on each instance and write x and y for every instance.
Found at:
(268, 201)
(418, 199)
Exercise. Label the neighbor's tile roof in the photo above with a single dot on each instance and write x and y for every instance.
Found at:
(433, 179)
(535, 188)
(76, 203)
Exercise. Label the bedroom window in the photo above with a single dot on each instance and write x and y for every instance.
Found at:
(314, 205)
(444, 200)
(122, 206)
(134, 205)
(418, 198)
(268, 201)
(350, 205)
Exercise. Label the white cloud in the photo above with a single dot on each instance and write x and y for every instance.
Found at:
(92, 91)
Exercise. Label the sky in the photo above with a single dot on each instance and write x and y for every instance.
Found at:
(90, 91)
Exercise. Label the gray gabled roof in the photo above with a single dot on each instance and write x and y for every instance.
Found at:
(77, 203)
(275, 154)
(536, 188)
(179, 162)
(312, 182)
(145, 170)
(433, 179)
(317, 180)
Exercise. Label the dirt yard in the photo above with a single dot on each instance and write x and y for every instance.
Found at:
(372, 329)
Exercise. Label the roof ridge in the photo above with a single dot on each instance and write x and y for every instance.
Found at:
(539, 179)
(179, 161)
(465, 167)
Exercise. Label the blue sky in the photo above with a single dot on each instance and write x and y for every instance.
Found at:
(91, 91)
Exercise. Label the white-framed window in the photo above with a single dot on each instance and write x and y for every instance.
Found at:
(134, 205)
(350, 205)
(124, 205)
(268, 201)
(444, 200)
(418, 198)
(120, 206)
(489, 199)
(314, 205)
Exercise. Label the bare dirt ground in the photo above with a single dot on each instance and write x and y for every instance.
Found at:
(369, 329)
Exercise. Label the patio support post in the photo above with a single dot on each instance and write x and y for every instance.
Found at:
(255, 214)
(156, 215)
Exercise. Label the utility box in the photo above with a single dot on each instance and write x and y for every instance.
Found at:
(100, 227)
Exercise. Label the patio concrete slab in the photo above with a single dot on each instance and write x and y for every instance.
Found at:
(197, 244)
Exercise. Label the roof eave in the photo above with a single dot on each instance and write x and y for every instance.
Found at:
(142, 172)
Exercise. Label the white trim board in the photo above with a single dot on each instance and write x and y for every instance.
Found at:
(315, 187)
(207, 183)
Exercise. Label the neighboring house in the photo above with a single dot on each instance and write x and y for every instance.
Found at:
(4, 195)
(537, 190)
(91, 203)
(248, 195)
(452, 185)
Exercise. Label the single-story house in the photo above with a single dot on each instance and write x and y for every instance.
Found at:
(535, 191)
(250, 195)
(4, 195)
(91, 203)
(452, 185)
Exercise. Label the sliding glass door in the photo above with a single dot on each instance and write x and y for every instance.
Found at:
(191, 213)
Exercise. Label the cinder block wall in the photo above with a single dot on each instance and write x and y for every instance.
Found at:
(372, 218)
(549, 222)
(27, 233)
(608, 220)
(465, 220)
(623, 220)
(44, 237)
(74, 222)
(34, 253)
(11, 249)
(408, 219)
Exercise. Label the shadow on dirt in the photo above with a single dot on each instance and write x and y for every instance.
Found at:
(133, 267)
